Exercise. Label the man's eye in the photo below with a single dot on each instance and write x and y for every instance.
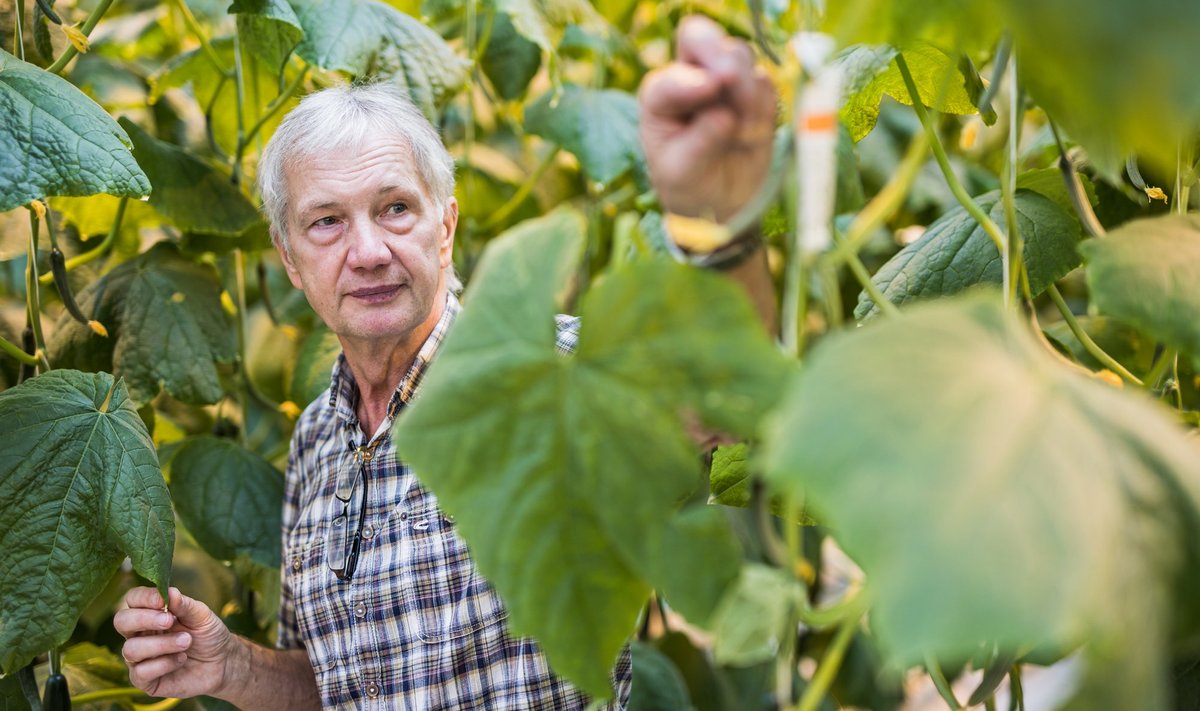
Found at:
(325, 222)
(397, 208)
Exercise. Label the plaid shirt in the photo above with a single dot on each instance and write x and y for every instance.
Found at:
(416, 627)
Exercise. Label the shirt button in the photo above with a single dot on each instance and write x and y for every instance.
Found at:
(367, 532)
(296, 563)
(372, 689)
(360, 610)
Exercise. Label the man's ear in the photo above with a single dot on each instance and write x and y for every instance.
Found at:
(285, 256)
(450, 223)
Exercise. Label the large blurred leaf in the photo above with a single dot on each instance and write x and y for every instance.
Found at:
(270, 28)
(872, 73)
(189, 192)
(229, 498)
(955, 253)
(54, 140)
(1147, 273)
(1126, 62)
(657, 684)
(510, 61)
(753, 619)
(543, 22)
(587, 451)
(955, 25)
(600, 126)
(80, 489)
(166, 328)
(989, 493)
(368, 38)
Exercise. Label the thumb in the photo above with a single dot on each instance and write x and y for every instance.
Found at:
(188, 611)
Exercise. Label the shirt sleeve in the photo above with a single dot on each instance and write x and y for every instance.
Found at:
(566, 333)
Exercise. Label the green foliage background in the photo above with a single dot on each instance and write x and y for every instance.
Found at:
(1012, 469)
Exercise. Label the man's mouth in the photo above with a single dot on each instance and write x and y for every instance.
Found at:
(375, 294)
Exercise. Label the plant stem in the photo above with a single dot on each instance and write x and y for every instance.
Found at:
(194, 27)
(1086, 341)
(1175, 378)
(773, 548)
(19, 38)
(239, 272)
(239, 87)
(507, 209)
(864, 278)
(273, 108)
(120, 692)
(939, 152)
(15, 351)
(1079, 199)
(99, 251)
(885, 203)
(1014, 262)
(33, 301)
(1017, 691)
(830, 663)
(940, 683)
(1159, 368)
(86, 28)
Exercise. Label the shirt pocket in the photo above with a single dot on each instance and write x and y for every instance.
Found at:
(447, 595)
(311, 581)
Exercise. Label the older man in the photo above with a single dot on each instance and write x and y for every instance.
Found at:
(359, 191)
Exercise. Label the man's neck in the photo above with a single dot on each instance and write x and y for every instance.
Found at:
(379, 366)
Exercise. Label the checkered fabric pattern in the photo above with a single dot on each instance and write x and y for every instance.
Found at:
(416, 627)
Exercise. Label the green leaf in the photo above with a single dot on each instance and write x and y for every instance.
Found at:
(270, 28)
(12, 697)
(57, 141)
(314, 366)
(510, 61)
(657, 684)
(192, 194)
(216, 92)
(1049, 182)
(1046, 500)
(543, 22)
(166, 328)
(80, 489)
(1147, 273)
(368, 38)
(1083, 59)
(873, 73)
(229, 498)
(600, 126)
(595, 467)
(955, 253)
(729, 477)
(954, 24)
(94, 215)
(753, 619)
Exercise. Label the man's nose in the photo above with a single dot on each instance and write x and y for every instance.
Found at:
(368, 248)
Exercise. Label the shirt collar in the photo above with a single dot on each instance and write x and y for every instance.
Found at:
(343, 390)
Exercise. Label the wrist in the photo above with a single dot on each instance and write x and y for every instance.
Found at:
(707, 244)
(236, 664)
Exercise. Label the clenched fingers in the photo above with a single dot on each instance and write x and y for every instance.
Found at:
(133, 621)
(141, 649)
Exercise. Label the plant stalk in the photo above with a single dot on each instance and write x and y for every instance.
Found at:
(830, 663)
(885, 203)
(1086, 341)
(939, 153)
(864, 278)
(508, 208)
(19, 38)
(194, 27)
(940, 682)
(86, 28)
(33, 301)
(273, 108)
(16, 352)
(100, 249)
(1159, 368)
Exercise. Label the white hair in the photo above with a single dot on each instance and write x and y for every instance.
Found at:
(344, 118)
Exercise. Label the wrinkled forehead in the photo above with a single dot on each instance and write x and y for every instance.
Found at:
(381, 156)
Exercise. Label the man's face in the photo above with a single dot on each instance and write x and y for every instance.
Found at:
(368, 244)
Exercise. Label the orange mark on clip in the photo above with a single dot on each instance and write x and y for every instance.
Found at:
(816, 123)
